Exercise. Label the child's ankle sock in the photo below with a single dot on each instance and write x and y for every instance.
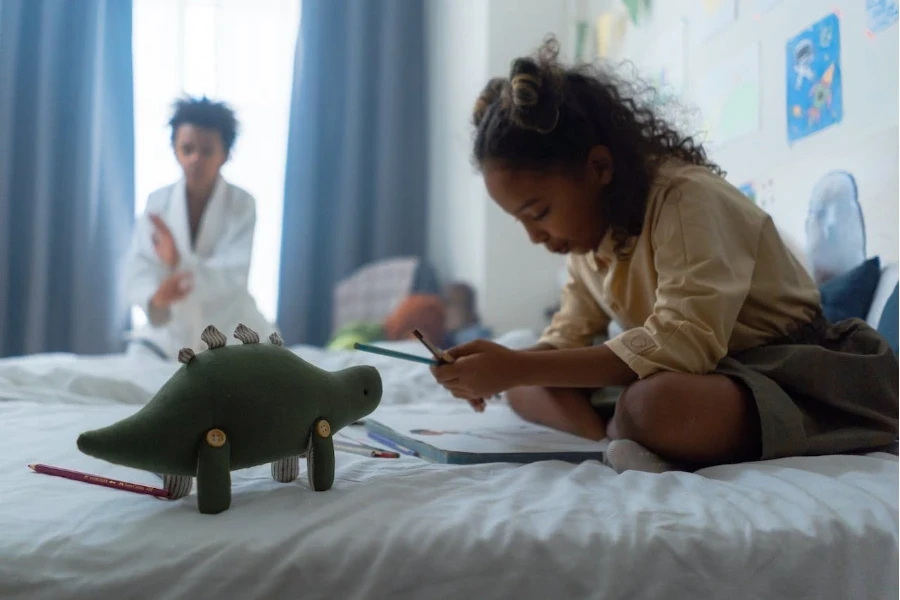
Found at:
(626, 455)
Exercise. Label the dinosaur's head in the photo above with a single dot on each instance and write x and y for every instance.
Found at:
(362, 392)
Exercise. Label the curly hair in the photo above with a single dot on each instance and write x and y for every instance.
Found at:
(547, 116)
(206, 114)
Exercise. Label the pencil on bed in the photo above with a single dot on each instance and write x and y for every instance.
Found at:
(137, 488)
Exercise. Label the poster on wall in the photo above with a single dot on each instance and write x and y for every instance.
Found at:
(638, 10)
(729, 97)
(749, 190)
(881, 14)
(760, 191)
(611, 28)
(814, 98)
(712, 16)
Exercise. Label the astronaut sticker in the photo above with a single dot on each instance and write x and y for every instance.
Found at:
(814, 99)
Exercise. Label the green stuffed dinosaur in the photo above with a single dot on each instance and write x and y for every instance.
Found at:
(233, 407)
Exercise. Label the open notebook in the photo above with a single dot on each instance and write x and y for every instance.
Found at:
(496, 435)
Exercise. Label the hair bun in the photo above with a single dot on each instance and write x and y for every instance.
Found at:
(537, 89)
(492, 92)
(526, 83)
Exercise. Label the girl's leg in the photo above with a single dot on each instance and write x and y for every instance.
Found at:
(567, 410)
(698, 419)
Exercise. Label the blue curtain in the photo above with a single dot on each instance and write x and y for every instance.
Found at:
(356, 181)
(66, 173)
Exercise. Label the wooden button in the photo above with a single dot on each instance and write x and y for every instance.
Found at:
(323, 428)
(215, 438)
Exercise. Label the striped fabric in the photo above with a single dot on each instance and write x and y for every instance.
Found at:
(213, 337)
(246, 335)
(178, 486)
(286, 470)
(185, 355)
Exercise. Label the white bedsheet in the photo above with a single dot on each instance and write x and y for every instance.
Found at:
(823, 527)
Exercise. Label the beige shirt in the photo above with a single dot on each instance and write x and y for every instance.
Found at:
(709, 275)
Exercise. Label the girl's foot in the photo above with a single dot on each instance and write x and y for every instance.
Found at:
(626, 455)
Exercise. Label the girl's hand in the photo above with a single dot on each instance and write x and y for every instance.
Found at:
(481, 370)
(164, 242)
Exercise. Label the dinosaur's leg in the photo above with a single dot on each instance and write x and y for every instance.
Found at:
(320, 456)
(214, 473)
(286, 470)
(178, 486)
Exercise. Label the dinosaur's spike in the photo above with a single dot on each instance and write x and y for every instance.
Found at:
(276, 339)
(246, 335)
(213, 337)
(185, 355)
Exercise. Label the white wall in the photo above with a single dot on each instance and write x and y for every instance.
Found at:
(864, 142)
(470, 238)
(457, 62)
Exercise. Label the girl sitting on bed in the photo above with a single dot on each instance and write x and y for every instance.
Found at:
(725, 356)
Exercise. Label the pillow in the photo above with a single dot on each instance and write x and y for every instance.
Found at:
(850, 294)
(424, 312)
(888, 326)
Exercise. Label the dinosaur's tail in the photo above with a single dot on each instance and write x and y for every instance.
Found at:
(131, 443)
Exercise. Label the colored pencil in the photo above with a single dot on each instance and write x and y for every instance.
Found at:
(365, 450)
(394, 354)
(443, 358)
(439, 355)
(97, 480)
(392, 444)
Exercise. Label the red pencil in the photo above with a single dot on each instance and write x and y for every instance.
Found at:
(137, 488)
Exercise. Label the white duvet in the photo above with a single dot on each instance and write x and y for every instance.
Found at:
(822, 527)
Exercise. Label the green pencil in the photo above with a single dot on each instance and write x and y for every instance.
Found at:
(395, 354)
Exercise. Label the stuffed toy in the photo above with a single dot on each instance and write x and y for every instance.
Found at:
(418, 311)
(238, 406)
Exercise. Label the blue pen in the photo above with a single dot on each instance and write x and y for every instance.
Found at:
(391, 444)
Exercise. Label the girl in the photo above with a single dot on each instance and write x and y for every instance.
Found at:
(726, 356)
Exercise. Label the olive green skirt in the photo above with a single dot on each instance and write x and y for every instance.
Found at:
(830, 388)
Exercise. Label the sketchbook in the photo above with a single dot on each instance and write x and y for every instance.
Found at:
(496, 435)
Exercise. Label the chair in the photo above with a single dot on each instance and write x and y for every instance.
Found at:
(373, 291)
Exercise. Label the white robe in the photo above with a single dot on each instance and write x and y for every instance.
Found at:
(219, 262)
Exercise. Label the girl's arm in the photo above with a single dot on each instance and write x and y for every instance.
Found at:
(484, 368)
(592, 367)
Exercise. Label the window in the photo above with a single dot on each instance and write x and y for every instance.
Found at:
(237, 51)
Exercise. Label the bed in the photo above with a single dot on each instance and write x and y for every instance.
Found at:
(819, 527)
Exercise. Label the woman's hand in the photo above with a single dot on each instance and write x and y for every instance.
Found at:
(163, 242)
(173, 288)
(480, 370)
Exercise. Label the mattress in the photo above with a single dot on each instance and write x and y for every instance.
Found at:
(814, 527)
